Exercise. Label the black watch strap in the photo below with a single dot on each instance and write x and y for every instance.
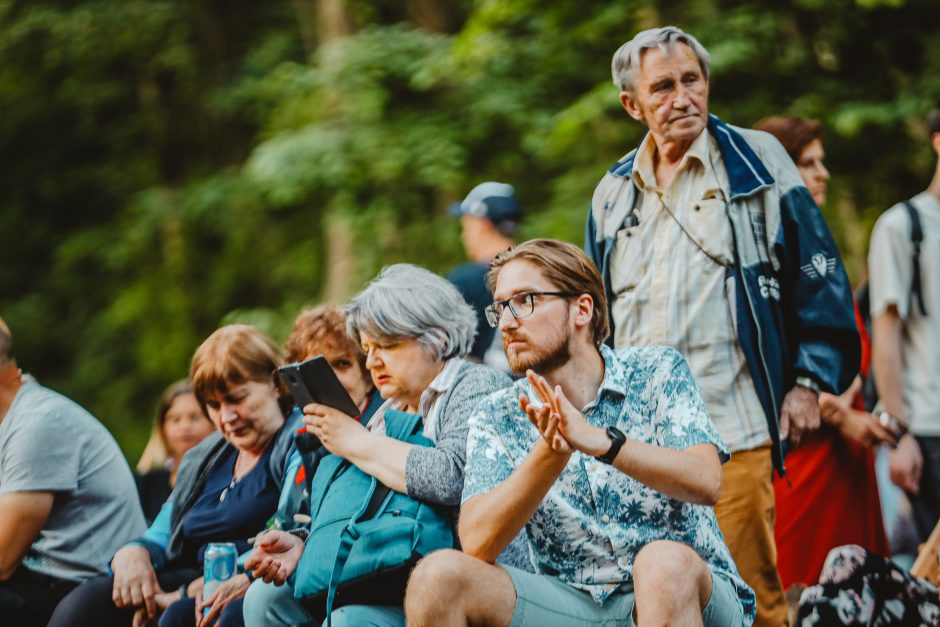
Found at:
(301, 532)
(617, 438)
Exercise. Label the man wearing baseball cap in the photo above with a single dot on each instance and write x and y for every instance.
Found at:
(489, 217)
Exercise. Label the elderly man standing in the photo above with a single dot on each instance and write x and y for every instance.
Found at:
(709, 242)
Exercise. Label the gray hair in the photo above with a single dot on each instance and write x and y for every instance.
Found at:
(407, 301)
(626, 61)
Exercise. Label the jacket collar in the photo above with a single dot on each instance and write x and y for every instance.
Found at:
(746, 173)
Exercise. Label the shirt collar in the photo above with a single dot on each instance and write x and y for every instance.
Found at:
(447, 376)
(439, 384)
(644, 174)
(615, 376)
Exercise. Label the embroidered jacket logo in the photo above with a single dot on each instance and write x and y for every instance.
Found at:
(769, 287)
(819, 266)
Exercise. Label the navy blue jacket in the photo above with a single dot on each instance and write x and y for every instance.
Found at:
(793, 299)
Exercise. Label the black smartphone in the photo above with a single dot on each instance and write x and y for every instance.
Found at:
(313, 381)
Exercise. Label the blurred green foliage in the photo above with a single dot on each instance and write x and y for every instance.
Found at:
(171, 165)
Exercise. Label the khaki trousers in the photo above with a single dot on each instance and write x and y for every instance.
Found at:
(745, 513)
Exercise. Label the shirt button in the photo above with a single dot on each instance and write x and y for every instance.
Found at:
(605, 518)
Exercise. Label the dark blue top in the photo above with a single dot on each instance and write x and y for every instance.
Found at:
(241, 514)
(470, 281)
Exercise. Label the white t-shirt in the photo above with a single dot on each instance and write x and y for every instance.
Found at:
(48, 443)
(890, 259)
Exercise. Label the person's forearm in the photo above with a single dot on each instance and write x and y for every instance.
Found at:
(887, 362)
(692, 475)
(383, 458)
(489, 521)
(22, 517)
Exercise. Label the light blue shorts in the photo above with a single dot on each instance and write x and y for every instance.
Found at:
(543, 601)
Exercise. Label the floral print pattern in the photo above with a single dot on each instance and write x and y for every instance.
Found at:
(595, 519)
(860, 588)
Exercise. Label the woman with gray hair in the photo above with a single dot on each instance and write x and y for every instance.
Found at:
(415, 328)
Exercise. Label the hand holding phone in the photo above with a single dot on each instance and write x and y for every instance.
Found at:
(313, 381)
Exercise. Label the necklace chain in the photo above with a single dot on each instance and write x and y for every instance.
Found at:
(236, 478)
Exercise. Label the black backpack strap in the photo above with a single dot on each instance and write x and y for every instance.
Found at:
(917, 236)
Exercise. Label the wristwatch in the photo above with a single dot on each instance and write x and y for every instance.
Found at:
(301, 532)
(809, 384)
(617, 438)
(887, 419)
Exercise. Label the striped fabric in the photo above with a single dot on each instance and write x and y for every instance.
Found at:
(428, 405)
(670, 285)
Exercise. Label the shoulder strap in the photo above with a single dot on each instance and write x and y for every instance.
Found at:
(917, 236)
(401, 424)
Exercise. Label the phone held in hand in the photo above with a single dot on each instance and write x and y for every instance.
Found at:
(313, 381)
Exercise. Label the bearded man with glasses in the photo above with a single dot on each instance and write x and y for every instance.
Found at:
(607, 458)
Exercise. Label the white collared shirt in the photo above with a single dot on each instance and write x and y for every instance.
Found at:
(428, 405)
(671, 287)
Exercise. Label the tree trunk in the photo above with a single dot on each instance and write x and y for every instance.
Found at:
(435, 16)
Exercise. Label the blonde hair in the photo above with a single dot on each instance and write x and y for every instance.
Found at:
(156, 454)
(232, 355)
(568, 268)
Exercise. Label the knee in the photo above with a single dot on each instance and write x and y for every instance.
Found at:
(262, 601)
(182, 613)
(668, 566)
(85, 604)
(255, 603)
(437, 576)
(232, 615)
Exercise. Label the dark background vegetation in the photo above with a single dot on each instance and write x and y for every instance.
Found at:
(170, 165)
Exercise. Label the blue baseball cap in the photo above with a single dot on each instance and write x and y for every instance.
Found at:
(492, 200)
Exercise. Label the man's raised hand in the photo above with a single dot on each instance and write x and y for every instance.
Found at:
(560, 422)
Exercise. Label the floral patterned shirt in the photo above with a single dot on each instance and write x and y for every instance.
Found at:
(595, 519)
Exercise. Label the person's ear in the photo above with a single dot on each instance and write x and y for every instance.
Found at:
(630, 105)
(935, 142)
(585, 310)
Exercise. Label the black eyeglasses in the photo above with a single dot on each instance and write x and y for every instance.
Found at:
(520, 305)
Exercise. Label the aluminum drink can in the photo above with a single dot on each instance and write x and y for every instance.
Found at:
(219, 564)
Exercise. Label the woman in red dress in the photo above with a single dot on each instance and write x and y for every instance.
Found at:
(829, 497)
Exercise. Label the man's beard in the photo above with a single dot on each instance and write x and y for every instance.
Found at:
(555, 352)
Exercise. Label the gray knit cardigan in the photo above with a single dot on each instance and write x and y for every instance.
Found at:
(435, 474)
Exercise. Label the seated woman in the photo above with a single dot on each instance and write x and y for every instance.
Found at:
(322, 331)
(414, 328)
(180, 424)
(226, 490)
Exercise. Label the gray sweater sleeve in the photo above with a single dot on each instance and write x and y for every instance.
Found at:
(435, 474)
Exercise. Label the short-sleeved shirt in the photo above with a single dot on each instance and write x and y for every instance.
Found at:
(594, 519)
(48, 443)
(890, 267)
(671, 287)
